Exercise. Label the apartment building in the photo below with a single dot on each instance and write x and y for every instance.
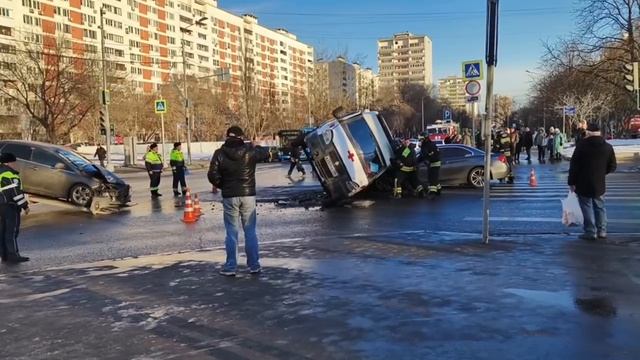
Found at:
(367, 86)
(451, 91)
(338, 79)
(405, 58)
(144, 41)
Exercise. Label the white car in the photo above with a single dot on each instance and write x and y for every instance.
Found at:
(351, 152)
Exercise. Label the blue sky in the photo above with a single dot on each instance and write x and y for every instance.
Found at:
(457, 28)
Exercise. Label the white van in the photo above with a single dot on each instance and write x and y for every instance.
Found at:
(349, 153)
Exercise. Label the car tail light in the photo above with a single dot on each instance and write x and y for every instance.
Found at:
(502, 159)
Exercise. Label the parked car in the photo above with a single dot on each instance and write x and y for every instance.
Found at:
(349, 153)
(464, 165)
(57, 172)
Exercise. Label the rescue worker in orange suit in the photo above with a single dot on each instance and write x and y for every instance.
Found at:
(12, 202)
(431, 154)
(407, 173)
(505, 146)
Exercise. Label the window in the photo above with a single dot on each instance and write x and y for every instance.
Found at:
(6, 31)
(203, 47)
(171, 40)
(453, 152)
(88, 3)
(27, 19)
(7, 49)
(90, 19)
(202, 36)
(45, 158)
(20, 151)
(74, 158)
(366, 145)
(90, 34)
(34, 4)
(4, 12)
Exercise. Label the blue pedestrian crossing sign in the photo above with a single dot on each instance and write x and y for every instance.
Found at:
(161, 106)
(570, 110)
(472, 70)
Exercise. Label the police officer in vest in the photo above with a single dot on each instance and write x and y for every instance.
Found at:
(177, 167)
(12, 202)
(153, 163)
(431, 154)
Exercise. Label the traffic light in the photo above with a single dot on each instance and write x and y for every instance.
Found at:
(103, 123)
(631, 77)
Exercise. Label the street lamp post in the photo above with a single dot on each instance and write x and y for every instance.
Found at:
(422, 111)
(185, 90)
(103, 96)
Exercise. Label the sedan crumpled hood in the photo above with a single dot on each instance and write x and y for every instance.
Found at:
(102, 174)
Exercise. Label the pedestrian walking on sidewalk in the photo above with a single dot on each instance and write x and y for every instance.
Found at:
(516, 145)
(540, 142)
(527, 142)
(101, 153)
(233, 170)
(550, 144)
(296, 163)
(153, 163)
(12, 202)
(558, 144)
(581, 131)
(178, 169)
(592, 160)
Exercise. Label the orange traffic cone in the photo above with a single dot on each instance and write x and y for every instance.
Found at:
(533, 181)
(197, 210)
(189, 215)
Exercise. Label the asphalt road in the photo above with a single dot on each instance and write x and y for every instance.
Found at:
(54, 237)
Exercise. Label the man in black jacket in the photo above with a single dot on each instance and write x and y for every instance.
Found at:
(12, 202)
(233, 170)
(527, 142)
(592, 160)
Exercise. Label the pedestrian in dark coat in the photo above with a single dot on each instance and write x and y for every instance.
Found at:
(233, 170)
(527, 142)
(592, 160)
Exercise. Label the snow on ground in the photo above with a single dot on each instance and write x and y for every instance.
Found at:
(623, 148)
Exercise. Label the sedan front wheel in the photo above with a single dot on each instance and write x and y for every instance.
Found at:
(81, 195)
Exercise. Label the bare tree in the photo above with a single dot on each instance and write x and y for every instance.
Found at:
(55, 88)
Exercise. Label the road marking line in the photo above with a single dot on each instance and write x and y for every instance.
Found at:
(558, 197)
(541, 219)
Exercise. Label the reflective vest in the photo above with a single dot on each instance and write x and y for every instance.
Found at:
(11, 189)
(176, 160)
(153, 161)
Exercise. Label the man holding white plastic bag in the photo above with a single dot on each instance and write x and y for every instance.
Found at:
(592, 160)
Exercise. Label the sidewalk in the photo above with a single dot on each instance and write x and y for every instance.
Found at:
(411, 295)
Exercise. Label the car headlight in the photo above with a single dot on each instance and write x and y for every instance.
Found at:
(327, 136)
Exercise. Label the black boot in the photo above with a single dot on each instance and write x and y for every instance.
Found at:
(16, 259)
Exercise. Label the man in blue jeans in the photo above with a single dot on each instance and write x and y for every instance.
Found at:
(233, 170)
(592, 160)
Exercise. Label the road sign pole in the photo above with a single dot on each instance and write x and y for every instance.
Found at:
(564, 118)
(162, 134)
(492, 60)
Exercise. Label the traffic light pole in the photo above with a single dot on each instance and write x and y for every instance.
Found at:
(103, 95)
(186, 101)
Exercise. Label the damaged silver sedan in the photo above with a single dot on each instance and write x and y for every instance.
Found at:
(55, 172)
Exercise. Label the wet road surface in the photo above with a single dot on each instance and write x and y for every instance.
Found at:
(54, 237)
